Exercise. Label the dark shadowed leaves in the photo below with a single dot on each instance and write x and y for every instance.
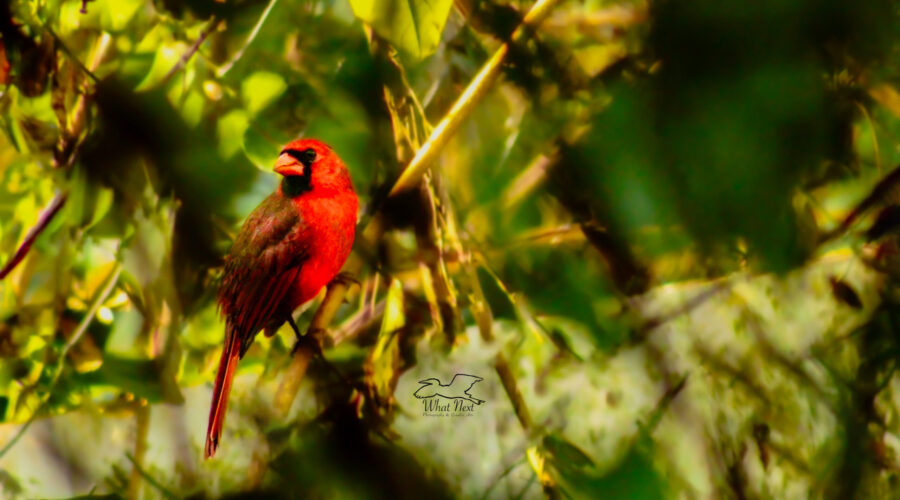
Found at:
(339, 457)
(634, 477)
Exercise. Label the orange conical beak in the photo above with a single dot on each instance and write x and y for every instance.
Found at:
(288, 165)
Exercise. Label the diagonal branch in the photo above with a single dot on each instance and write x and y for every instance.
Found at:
(210, 27)
(44, 220)
(464, 105)
(240, 53)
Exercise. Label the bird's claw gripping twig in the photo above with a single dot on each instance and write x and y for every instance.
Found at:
(313, 340)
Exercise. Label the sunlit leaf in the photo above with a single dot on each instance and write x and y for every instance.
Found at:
(108, 15)
(887, 96)
(103, 202)
(192, 109)
(165, 59)
(230, 130)
(383, 360)
(260, 89)
(413, 26)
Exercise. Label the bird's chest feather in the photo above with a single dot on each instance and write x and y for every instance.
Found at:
(327, 234)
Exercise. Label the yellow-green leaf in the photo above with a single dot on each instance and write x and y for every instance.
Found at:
(394, 317)
(384, 360)
(412, 26)
(230, 129)
(260, 89)
(163, 62)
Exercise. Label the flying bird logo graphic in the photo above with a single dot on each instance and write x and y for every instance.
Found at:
(458, 388)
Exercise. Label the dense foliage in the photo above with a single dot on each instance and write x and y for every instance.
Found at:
(663, 234)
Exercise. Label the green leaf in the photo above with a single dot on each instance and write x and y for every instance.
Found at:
(412, 26)
(88, 203)
(501, 302)
(106, 15)
(139, 377)
(568, 456)
(385, 358)
(230, 129)
(102, 204)
(192, 109)
(163, 62)
(115, 16)
(634, 477)
(9, 483)
(260, 89)
(394, 317)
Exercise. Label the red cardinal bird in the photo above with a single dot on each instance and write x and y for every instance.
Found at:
(292, 245)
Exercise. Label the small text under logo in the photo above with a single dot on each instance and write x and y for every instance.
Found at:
(454, 399)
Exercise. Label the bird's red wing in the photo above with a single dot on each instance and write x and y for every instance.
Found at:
(259, 308)
(265, 261)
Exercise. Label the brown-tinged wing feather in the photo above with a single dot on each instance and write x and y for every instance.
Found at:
(265, 260)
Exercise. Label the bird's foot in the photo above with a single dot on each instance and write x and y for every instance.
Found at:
(313, 340)
(290, 320)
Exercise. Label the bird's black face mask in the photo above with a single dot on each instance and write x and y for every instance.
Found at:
(295, 185)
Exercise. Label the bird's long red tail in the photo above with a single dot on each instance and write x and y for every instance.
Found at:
(227, 363)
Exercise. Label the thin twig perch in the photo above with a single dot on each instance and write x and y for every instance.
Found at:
(44, 220)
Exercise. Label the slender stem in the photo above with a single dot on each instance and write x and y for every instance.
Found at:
(156, 484)
(653, 322)
(142, 418)
(111, 281)
(240, 53)
(306, 351)
(663, 404)
(210, 27)
(44, 220)
(512, 392)
(68, 52)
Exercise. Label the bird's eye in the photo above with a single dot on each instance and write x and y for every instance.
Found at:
(310, 155)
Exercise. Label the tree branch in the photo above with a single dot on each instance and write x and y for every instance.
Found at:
(210, 27)
(466, 102)
(44, 220)
(240, 53)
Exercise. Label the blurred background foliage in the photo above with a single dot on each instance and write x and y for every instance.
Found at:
(664, 233)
